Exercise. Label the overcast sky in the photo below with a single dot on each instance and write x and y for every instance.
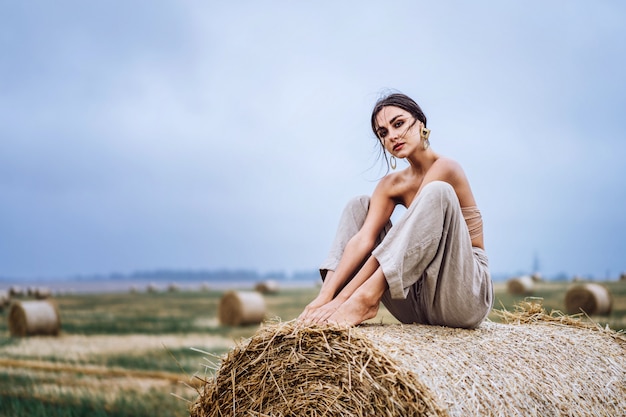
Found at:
(140, 135)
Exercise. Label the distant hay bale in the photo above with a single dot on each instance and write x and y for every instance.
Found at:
(34, 318)
(205, 287)
(173, 287)
(537, 277)
(152, 288)
(590, 298)
(4, 299)
(16, 291)
(239, 308)
(622, 277)
(524, 285)
(269, 286)
(41, 293)
(536, 365)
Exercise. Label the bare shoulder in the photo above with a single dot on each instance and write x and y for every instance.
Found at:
(450, 171)
(447, 169)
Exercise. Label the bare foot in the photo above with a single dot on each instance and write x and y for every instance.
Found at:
(354, 311)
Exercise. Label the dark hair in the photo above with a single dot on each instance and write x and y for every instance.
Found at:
(402, 101)
(398, 100)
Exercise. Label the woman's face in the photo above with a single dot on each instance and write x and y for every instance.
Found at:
(397, 130)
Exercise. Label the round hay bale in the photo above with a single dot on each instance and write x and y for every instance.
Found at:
(591, 298)
(269, 286)
(524, 285)
(538, 368)
(239, 308)
(537, 277)
(41, 293)
(152, 288)
(16, 291)
(32, 318)
(622, 277)
(4, 299)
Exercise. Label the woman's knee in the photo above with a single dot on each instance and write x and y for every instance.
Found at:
(440, 188)
(359, 203)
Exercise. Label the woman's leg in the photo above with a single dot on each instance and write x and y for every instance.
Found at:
(434, 274)
(351, 221)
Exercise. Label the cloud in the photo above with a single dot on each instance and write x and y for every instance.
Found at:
(230, 135)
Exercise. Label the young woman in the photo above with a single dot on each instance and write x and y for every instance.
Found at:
(430, 267)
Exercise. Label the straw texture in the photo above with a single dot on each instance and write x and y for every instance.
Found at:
(535, 364)
(590, 298)
(238, 308)
(32, 318)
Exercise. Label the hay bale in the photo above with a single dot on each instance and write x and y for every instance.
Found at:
(269, 286)
(523, 285)
(238, 308)
(16, 291)
(41, 293)
(4, 299)
(32, 318)
(622, 277)
(591, 298)
(535, 367)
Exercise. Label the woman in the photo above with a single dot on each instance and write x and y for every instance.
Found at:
(430, 267)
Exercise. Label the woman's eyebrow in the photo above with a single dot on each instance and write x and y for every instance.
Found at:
(384, 129)
(394, 119)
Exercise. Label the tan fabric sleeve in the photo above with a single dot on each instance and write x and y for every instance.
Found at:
(474, 221)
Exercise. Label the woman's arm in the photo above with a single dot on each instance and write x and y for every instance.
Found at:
(360, 246)
(357, 250)
(450, 171)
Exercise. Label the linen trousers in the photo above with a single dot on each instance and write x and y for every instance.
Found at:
(435, 275)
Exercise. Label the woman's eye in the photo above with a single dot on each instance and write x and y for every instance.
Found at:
(398, 123)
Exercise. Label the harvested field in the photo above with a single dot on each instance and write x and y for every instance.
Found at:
(119, 354)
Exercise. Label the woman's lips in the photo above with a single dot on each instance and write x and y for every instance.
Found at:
(398, 146)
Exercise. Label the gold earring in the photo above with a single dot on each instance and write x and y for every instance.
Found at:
(425, 133)
(392, 162)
